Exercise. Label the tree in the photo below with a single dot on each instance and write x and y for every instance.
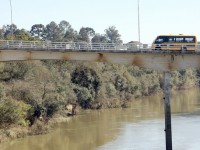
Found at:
(113, 35)
(1, 34)
(85, 33)
(9, 31)
(53, 32)
(23, 35)
(64, 27)
(98, 38)
(67, 32)
(71, 35)
(38, 31)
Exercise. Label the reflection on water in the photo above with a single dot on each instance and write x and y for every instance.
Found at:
(147, 135)
(139, 127)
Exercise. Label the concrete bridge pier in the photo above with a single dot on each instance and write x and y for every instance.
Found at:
(168, 130)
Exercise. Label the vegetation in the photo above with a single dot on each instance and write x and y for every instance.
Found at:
(61, 32)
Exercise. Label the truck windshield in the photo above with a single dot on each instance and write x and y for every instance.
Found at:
(161, 39)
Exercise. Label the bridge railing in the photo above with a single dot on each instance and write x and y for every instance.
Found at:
(22, 44)
(4, 44)
(45, 45)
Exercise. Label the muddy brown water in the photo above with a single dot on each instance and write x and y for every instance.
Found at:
(140, 127)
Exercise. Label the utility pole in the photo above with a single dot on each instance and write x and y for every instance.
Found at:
(11, 19)
(139, 21)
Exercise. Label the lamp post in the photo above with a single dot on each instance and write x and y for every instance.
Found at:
(11, 19)
(139, 21)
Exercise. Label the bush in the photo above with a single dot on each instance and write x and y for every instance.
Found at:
(84, 97)
(110, 90)
(86, 77)
(12, 111)
(13, 70)
(87, 85)
(2, 92)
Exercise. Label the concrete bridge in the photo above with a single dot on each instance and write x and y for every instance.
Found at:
(138, 55)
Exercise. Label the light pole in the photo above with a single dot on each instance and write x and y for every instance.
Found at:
(11, 19)
(139, 21)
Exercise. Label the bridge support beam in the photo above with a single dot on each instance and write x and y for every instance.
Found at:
(168, 130)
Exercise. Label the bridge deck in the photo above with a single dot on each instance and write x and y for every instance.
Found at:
(144, 57)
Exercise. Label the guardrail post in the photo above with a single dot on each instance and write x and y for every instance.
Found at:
(20, 44)
(7, 44)
(168, 130)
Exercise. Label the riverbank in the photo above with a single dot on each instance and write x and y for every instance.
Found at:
(12, 132)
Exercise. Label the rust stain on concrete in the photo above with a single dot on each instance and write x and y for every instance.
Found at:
(170, 64)
(66, 56)
(29, 56)
(137, 61)
(101, 58)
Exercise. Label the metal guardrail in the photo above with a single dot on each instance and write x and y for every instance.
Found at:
(42, 45)
(69, 45)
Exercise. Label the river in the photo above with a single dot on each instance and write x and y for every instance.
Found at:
(140, 127)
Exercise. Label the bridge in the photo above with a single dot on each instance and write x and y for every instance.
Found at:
(138, 55)
(131, 54)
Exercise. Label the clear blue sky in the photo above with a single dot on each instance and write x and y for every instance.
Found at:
(157, 16)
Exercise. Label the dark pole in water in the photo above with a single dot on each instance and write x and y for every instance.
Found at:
(168, 131)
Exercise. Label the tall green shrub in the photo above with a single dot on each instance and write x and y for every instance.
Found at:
(12, 111)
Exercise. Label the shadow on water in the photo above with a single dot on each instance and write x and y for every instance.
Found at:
(139, 127)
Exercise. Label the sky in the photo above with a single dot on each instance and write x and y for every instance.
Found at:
(156, 16)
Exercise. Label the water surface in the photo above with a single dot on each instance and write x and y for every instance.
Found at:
(140, 127)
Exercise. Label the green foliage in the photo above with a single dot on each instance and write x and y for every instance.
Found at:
(9, 31)
(85, 33)
(38, 31)
(113, 35)
(90, 83)
(13, 112)
(1, 34)
(24, 92)
(59, 32)
(67, 32)
(98, 38)
(184, 79)
(110, 90)
(24, 36)
(52, 32)
(13, 70)
(2, 92)
(86, 77)
(84, 97)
